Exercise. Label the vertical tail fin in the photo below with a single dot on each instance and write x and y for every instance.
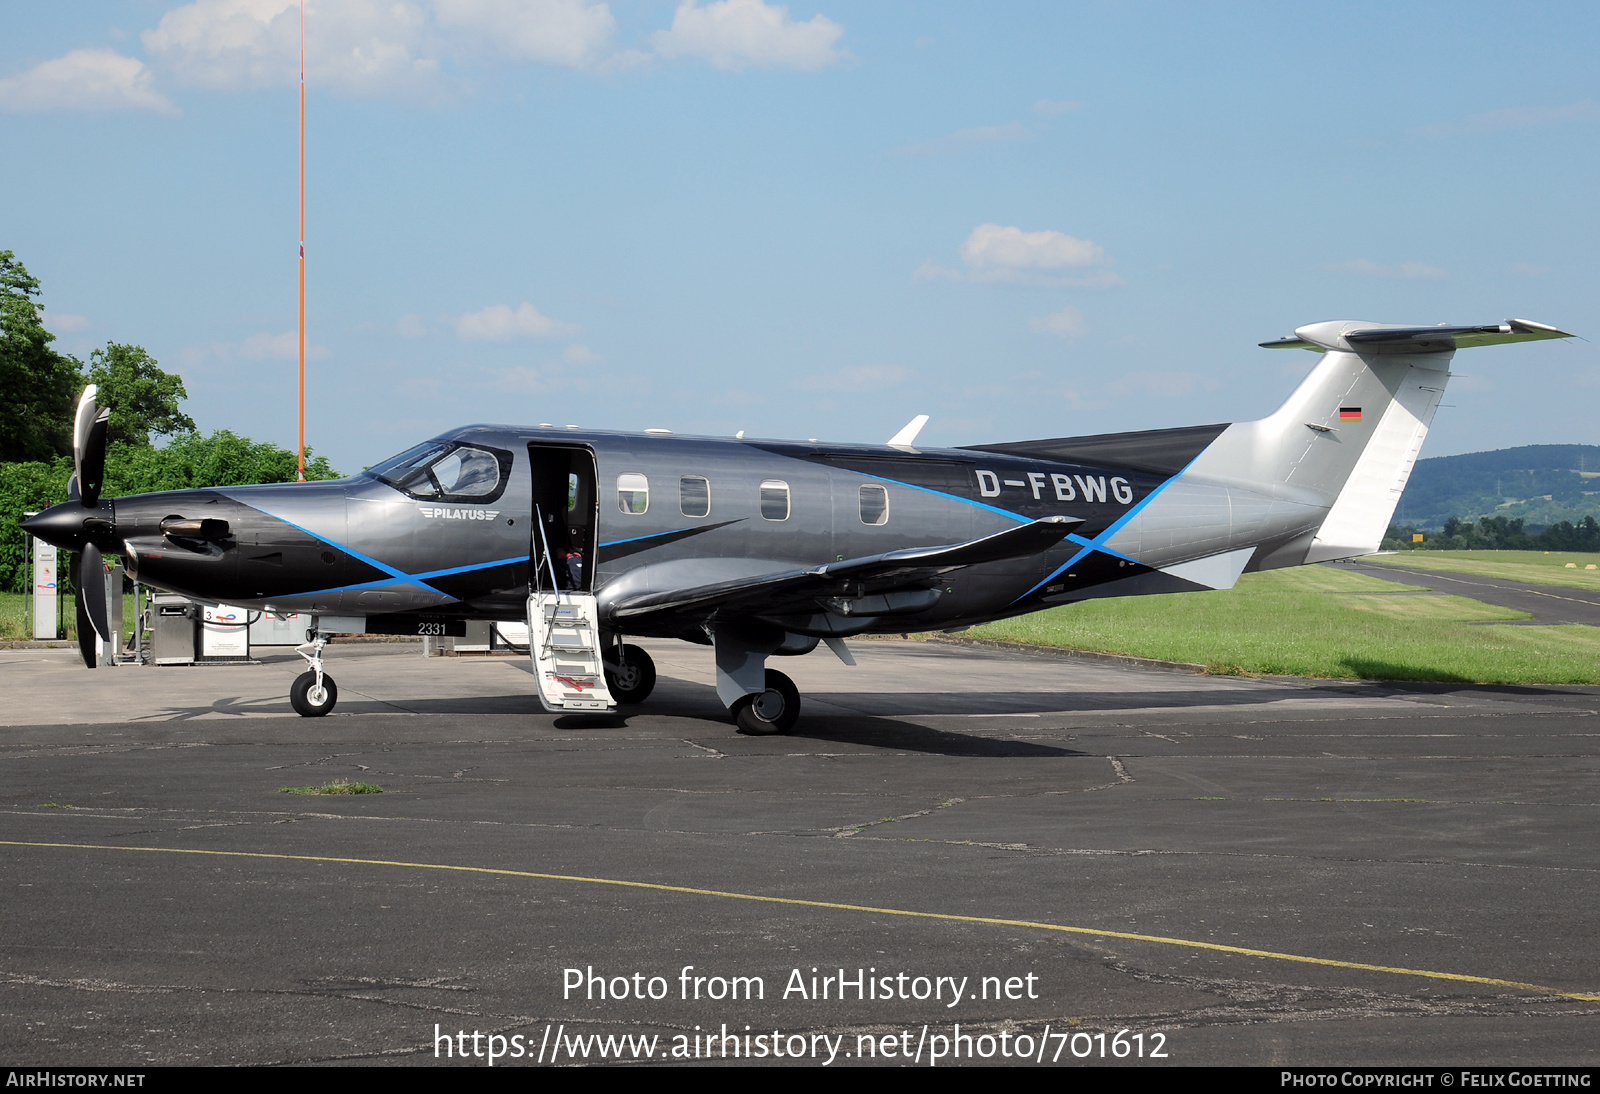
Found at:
(1368, 406)
(1320, 477)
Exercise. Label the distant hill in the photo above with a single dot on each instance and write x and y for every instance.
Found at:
(1539, 483)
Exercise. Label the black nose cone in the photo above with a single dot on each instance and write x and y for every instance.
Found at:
(69, 525)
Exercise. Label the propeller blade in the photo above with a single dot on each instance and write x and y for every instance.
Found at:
(89, 447)
(86, 643)
(94, 590)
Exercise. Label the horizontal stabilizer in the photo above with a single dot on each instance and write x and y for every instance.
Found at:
(1379, 337)
(769, 592)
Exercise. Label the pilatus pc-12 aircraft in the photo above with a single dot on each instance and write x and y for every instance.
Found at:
(757, 548)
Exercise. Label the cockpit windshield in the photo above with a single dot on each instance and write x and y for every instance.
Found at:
(447, 471)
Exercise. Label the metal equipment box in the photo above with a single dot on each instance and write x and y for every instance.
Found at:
(172, 629)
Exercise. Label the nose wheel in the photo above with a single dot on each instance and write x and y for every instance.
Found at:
(313, 693)
(312, 698)
(774, 710)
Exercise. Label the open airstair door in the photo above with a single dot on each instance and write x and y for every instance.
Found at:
(563, 623)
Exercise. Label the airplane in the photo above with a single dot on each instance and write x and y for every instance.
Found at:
(761, 548)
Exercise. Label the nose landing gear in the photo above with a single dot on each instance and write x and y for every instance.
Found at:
(313, 693)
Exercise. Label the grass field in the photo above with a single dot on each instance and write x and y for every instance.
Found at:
(14, 626)
(1316, 621)
(1538, 567)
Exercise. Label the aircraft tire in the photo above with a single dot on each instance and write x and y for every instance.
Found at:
(772, 711)
(300, 695)
(636, 680)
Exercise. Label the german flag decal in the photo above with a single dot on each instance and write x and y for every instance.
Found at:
(1349, 414)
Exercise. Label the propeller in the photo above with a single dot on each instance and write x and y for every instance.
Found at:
(83, 523)
(87, 567)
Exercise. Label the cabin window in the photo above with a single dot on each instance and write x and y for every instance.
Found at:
(694, 496)
(775, 499)
(874, 505)
(467, 472)
(633, 493)
(447, 471)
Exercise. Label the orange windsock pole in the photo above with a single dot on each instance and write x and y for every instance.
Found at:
(301, 476)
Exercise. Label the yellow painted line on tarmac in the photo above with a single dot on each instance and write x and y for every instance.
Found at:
(798, 902)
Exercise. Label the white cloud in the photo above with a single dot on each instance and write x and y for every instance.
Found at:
(579, 354)
(355, 46)
(963, 140)
(734, 34)
(992, 246)
(1010, 255)
(1047, 109)
(370, 47)
(65, 321)
(411, 326)
(557, 32)
(498, 323)
(855, 379)
(85, 79)
(1066, 323)
(1411, 271)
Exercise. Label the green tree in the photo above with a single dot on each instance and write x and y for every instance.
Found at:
(142, 398)
(190, 461)
(38, 386)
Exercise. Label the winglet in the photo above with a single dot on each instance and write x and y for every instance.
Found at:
(907, 436)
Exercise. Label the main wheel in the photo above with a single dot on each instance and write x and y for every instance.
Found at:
(634, 679)
(772, 711)
(310, 701)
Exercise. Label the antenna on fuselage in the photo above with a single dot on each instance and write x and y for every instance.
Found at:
(907, 436)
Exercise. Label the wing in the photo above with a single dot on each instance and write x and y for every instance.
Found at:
(798, 590)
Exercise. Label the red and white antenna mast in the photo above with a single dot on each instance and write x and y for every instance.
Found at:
(301, 474)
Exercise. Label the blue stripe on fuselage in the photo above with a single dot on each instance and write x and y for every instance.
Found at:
(402, 578)
(1099, 541)
(416, 579)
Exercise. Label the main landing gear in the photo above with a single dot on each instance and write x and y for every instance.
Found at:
(774, 710)
(631, 677)
(762, 701)
(313, 693)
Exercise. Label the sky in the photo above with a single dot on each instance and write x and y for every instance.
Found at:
(808, 221)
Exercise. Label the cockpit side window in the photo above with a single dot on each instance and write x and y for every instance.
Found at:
(447, 471)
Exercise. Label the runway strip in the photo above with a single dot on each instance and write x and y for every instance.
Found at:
(799, 902)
